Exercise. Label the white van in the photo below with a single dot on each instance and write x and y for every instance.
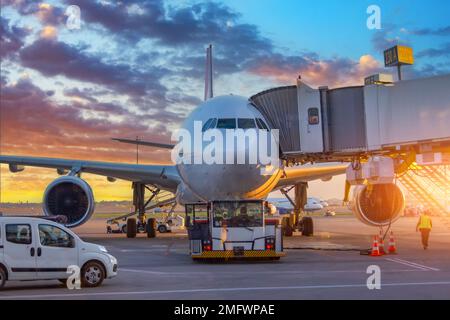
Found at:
(39, 249)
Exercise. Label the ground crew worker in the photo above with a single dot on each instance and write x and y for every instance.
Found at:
(424, 225)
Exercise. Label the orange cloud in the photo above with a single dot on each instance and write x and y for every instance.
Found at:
(49, 33)
(33, 124)
(331, 72)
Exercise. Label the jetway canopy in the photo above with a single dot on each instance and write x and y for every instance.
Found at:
(280, 109)
(336, 124)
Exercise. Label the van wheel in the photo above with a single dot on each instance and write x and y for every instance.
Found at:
(92, 275)
(131, 228)
(2, 278)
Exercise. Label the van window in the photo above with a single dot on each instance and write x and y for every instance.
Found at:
(246, 124)
(18, 233)
(51, 236)
(226, 124)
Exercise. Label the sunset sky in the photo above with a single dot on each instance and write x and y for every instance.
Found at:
(135, 68)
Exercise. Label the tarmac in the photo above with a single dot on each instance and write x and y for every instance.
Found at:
(326, 266)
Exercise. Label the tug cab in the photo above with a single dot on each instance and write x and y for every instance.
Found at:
(233, 229)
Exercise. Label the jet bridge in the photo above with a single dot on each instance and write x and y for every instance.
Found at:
(386, 131)
(379, 118)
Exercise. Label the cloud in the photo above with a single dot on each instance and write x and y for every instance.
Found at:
(49, 33)
(186, 29)
(445, 31)
(53, 58)
(84, 95)
(11, 38)
(314, 71)
(442, 51)
(49, 14)
(386, 38)
(34, 124)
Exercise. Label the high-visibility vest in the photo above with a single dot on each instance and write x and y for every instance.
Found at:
(425, 222)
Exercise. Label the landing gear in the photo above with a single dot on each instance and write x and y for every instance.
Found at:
(131, 228)
(151, 228)
(307, 226)
(139, 224)
(287, 224)
(304, 225)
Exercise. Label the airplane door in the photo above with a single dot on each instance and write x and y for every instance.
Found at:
(19, 250)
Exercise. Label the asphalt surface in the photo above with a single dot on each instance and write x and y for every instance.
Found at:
(326, 266)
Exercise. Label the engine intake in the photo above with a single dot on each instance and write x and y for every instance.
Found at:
(69, 196)
(379, 204)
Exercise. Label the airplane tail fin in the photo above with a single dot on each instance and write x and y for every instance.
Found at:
(209, 74)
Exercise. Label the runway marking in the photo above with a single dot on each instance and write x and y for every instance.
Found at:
(333, 286)
(412, 264)
(143, 271)
(200, 273)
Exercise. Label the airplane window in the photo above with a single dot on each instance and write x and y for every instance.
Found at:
(246, 123)
(206, 125)
(226, 124)
(313, 116)
(213, 124)
(261, 124)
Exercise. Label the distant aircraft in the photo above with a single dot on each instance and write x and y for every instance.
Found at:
(285, 206)
(71, 196)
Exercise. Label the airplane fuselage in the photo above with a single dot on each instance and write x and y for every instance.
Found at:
(225, 178)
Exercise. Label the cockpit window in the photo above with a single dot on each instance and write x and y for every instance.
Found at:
(211, 123)
(206, 125)
(246, 123)
(226, 124)
(261, 124)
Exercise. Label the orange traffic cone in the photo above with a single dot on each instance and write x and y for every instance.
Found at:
(392, 248)
(375, 249)
(381, 243)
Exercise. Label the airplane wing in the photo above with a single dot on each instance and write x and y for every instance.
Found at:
(164, 176)
(305, 173)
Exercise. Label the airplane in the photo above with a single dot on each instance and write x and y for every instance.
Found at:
(285, 206)
(71, 196)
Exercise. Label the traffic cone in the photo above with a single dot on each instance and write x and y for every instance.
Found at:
(381, 243)
(392, 248)
(375, 249)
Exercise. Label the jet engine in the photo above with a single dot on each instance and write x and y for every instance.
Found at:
(69, 196)
(378, 204)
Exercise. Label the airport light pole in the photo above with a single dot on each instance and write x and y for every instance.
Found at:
(137, 149)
